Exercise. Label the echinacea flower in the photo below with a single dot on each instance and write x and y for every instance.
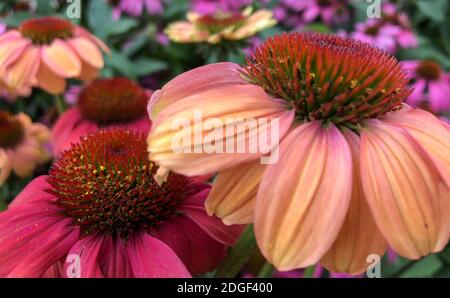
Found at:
(114, 102)
(430, 83)
(357, 169)
(213, 28)
(22, 145)
(44, 52)
(100, 213)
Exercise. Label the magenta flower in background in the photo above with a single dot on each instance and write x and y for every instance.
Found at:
(3, 28)
(390, 32)
(206, 7)
(297, 13)
(136, 7)
(113, 220)
(431, 85)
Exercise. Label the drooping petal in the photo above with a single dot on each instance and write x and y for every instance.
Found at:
(88, 73)
(61, 59)
(233, 195)
(199, 134)
(22, 73)
(88, 51)
(84, 257)
(50, 81)
(150, 257)
(431, 134)
(194, 81)
(113, 260)
(11, 49)
(198, 251)
(194, 208)
(303, 198)
(404, 190)
(359, 236)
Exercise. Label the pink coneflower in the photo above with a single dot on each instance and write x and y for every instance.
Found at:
(357, 169)
(22, 145)
(103, 103)
(44, 52)
(390, 32)
(101, 205)
(430, 83)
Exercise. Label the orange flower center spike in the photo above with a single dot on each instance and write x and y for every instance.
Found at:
(11, 131)
(106, 184)
(114, 100)
(45, 30)
(328, 77)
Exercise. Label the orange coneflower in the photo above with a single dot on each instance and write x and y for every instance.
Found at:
(213, 28)
(22, 145)
(46, 51)
(357, 168)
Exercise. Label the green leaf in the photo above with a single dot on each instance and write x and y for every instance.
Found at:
(147, 66)
(100, 18)
(122, 26)
(14, 20)
(44, 7)
(426, 267)
(122, 64)
(433, 9)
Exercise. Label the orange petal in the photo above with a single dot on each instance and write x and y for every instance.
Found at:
(303, 199)
(11, 49)
(61, 59)
(430, 133)
(49, 81)
(233, 194)
(88, 51)
(88, 73)
(81, 32)
(181, 134)
(22, 73)
(185, 32)
(359, 236)
(195, 81)
(406, 194)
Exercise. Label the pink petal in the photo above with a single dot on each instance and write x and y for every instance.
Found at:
(150, 257)
(303, 198)
(87, 252)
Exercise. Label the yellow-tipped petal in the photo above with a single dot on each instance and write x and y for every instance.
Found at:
(359, 236)
(61, 59)
(88, 51)
(304, 197)
(49, 81)
(22, 72)
(233, 195)
(258, 21)
(407, 197)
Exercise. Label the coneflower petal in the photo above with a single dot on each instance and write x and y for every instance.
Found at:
(21, 73)
(359, 236)
(202, 145)
(430, 133)
(61, 59)
(233, 195)
(88, 51)
(195, 81)
(404, 190)
(304, 197)
(50, 81)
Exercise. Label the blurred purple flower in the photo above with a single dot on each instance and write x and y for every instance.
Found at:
(2, 28)
(297, 13)
(431, 85)
(71, 94)
(391, 31)
(206, 7)
(136, 7)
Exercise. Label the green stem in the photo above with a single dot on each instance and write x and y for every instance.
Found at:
(238, 255)
(266, 271)
(60, 104)
(309, 272)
